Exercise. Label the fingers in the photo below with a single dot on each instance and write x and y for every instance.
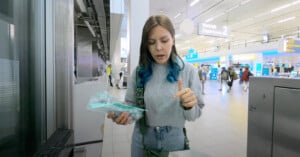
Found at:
(179, 84)
(186, 95)
(182, 92)
(123, 118)
(189, 100)
(110, 115)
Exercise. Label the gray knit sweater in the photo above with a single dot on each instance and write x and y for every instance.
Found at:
(162, 108)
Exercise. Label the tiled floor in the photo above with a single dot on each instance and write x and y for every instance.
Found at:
(221, 131)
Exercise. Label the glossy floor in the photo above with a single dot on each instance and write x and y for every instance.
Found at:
(221, 131)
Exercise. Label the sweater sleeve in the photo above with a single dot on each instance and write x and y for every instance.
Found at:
(194, 84)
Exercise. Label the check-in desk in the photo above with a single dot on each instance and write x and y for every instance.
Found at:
(274, 117)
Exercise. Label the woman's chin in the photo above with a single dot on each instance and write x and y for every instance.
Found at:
(161, 61)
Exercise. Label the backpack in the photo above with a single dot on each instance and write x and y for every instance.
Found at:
(200, 74)
(224, 75)
(246, 74)
(234, 75)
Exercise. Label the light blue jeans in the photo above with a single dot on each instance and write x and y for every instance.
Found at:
(166, 138)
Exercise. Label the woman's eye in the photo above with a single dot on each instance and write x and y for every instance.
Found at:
(165, 41)
(151, 42)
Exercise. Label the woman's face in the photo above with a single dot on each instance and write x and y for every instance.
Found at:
(160, 44)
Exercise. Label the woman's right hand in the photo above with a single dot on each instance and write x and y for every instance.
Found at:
(122, 119)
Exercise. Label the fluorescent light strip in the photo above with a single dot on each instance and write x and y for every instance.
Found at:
(209, 20)
(234, 7)
(285, 6)
(194, 2)
(287, 19)
(245, 2)
(90, 28)
(213, 18)
(281, 7)
(296, 2)
(177, 15)
(81, 6)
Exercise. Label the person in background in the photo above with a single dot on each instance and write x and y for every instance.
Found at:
(224, 76)
(245, 78)
(240, 75)
(120, 82)
(108, 73)
(171, 90)
(230, 80)
(202, 76)
(219, 73)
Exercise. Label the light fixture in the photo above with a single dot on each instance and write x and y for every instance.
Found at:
(194, 2)
(213, 18)
(177, 15)
(209, 20)
(90, 28)
(285, 6)
(98, 45)
(81, 5)
(245, 2)
(287, 19)
(281, 7)
(232, 8)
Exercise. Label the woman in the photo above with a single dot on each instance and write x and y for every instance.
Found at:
(202, 75)
(171, 90)
(245, 78)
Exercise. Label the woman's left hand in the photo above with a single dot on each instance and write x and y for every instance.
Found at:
(187, 96)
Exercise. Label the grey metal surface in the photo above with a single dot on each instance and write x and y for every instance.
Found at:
(64, 58)
(260, 118)
(286, 137)
(84, 53)
(264, 127)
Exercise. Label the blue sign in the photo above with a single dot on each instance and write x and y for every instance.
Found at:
(191, 56)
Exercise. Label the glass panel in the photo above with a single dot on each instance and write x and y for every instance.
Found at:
(9, 83)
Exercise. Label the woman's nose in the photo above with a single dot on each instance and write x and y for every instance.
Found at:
(158, 46)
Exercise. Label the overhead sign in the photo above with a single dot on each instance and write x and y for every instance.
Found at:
(213, 30)
(292, 45)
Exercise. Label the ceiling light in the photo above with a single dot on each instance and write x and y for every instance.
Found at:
(90, 28)
(245, 2)
(99, 47)
(232, 8)
(81, 5)
(194, 2)
(296, 2)
(177, 15)
(280, 8)
(287, 19)
(209, 20)
(285, 6)
(213, 18)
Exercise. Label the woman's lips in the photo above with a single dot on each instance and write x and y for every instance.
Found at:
(160, 57)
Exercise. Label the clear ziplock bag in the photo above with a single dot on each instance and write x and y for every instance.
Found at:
(103, 102)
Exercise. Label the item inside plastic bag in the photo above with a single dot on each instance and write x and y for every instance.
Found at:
(103, 102)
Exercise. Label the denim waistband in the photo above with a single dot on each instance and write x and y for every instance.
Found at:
(162, 128)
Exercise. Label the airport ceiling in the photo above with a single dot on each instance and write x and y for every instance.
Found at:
(245, 21)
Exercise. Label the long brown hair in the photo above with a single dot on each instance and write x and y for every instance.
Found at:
(153, 21)
(146, 60)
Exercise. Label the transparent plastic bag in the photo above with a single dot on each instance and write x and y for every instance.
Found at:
(103, 102)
